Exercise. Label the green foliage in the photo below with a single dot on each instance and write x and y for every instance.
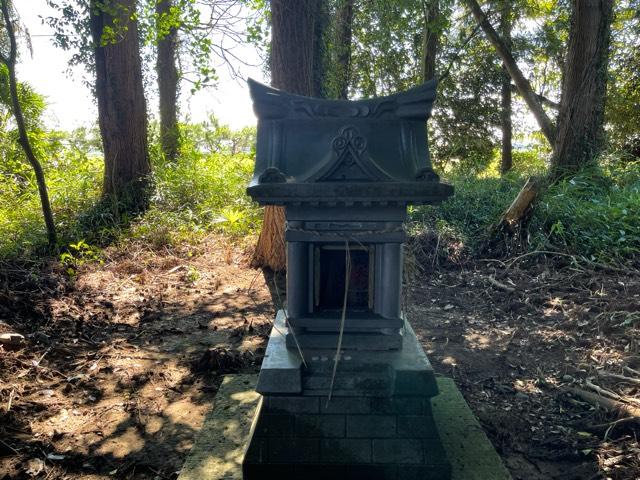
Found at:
(12, 160)
(211, 136)
(623, 91)
(475, 205)
(593, 214)
(74, 177)
(78, 254)
(202, 191)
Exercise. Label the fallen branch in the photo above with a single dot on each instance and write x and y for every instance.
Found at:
(9, 447)
(538, 252)
(608, 425)
(620, 378)
(602, 391)
(10, 402)
(613, 406)
(500, 285)
(631, 371)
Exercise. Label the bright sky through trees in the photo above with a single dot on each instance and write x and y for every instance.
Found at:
(71, 103)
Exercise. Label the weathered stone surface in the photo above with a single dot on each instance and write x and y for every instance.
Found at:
(471, 454)
(292, 404)
(346, 405)
(399, 405)
(371, 426)
(315, 150)
(281, 368)
(300, 450)
(326, 426)
(398, 451)
(219, 449)
(416, 426)
(346, 450)
(275, 425)
(406, 372)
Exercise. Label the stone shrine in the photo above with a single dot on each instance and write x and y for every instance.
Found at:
(346, 385)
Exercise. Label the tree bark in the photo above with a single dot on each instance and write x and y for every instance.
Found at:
(292, 45)
(430, 39)
(23, 137)
(122, 113)
(320, 15)
(580, 120)
(506, 159)
(344, 37)
(523, 85)
(292, 67)
(168, 85)
(579, 137)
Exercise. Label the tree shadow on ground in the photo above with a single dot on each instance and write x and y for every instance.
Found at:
(517, 352)
(121, 363)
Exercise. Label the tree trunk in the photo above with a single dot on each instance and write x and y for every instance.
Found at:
(506, 159)
(23, 138)
(523, 85)
(579, 136)
(580, 121)
(122, 113)
(321, 20)
(292, 45)
(343, 39)
(430, 39)
(168, 85)
(292, 48)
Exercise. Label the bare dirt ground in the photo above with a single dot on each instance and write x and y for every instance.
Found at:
(121, 361)
(529, 342)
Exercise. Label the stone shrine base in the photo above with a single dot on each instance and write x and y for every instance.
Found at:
(220, 447)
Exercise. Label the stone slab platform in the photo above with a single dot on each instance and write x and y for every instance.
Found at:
(404, 371)
(219, 448)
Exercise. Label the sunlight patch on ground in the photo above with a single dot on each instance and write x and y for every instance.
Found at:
(121, 446)
(478, 341)
(448, 360)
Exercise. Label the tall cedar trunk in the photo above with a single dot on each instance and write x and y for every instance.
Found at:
(122, 113)
(430, 39)
(343, 38)
(292, 69)
(168, 86)
(23, 137)
(320, 13)
(292, 45)
(580, 135)
(506, 159)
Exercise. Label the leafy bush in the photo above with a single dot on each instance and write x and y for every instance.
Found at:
(593, 214)
(202, 191)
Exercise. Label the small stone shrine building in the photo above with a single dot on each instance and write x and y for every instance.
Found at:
(346, 384)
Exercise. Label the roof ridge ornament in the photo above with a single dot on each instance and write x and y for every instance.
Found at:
(350, 162)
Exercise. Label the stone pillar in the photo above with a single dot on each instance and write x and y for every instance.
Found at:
(297, 280)
(391, 280)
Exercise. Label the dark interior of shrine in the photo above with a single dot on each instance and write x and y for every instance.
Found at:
(331, 263)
